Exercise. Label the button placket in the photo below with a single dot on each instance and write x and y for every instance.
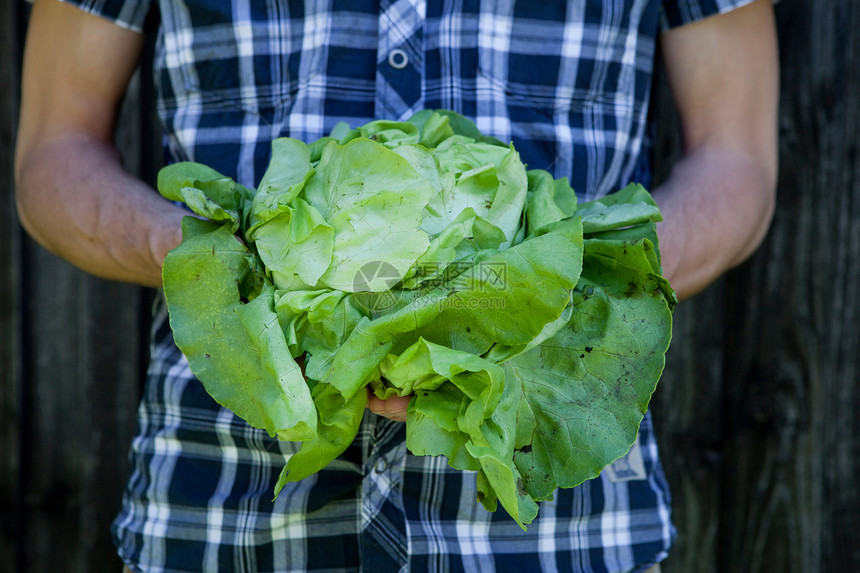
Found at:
(400, 67)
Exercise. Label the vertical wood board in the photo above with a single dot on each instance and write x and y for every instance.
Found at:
(11, 319)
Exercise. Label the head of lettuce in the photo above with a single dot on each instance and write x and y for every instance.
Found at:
(422, 258)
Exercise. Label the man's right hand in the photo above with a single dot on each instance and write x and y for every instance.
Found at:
(394, 408)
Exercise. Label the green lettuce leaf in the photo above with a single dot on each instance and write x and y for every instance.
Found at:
(236, 348)
(373, 199)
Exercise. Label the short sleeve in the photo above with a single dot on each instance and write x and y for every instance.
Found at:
(129, 14)
(679, 12)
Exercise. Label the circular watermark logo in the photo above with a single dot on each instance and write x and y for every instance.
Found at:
(372, 286)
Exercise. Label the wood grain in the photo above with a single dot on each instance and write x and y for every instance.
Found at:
(11, 320)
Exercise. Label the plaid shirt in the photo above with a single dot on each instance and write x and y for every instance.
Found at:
(568, 83)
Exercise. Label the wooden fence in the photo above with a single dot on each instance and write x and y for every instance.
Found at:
(756, 413)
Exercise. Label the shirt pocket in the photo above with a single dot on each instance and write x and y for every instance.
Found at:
(251, 55)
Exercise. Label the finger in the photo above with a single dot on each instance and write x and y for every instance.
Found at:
(394, 408)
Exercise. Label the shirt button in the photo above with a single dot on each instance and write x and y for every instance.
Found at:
(381, 466)
(398, 59)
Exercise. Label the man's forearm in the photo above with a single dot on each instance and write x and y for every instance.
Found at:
(76, 200)
(717, 206)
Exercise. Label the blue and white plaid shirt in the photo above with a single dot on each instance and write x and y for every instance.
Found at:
(568, 82)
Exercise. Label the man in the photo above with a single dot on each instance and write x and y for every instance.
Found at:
(567, 82)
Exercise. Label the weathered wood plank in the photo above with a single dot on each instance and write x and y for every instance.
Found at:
(687, 409)
(792, 463)
(11, 367)
(84, 382)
